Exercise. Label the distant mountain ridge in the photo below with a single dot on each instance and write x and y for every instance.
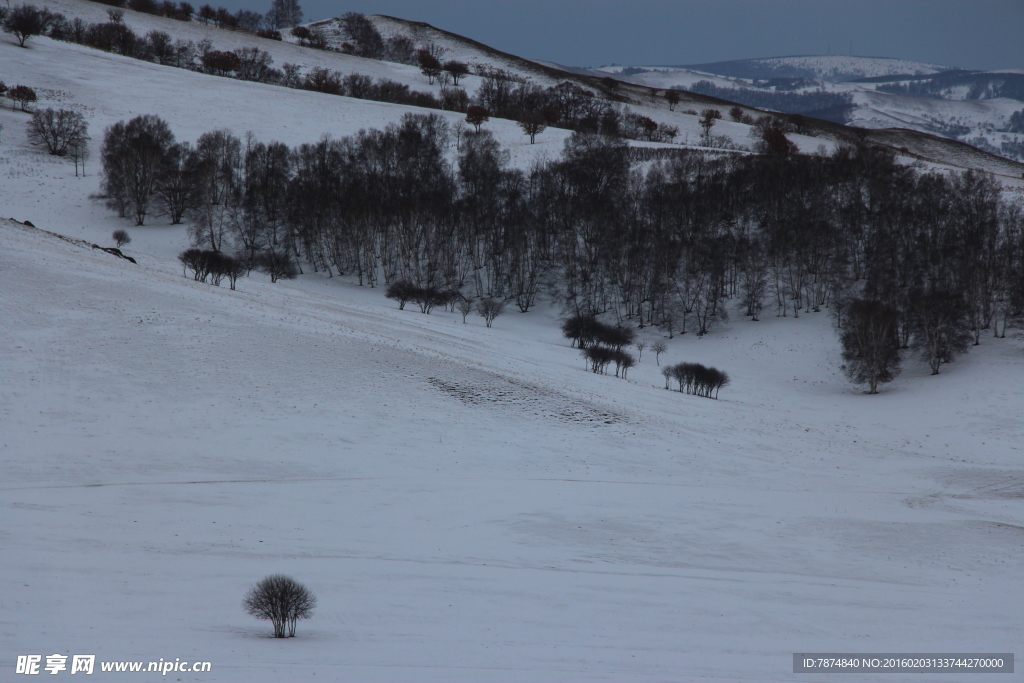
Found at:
(837, 68)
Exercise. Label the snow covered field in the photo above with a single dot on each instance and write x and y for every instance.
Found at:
(468, 504)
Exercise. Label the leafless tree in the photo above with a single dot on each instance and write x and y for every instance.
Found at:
(489, 309)
(79, 153)
(25, 21)
(21, 94)
(659, 348)
(282, 601)
(465, 306)
(640, 346)
(457, 70)
(121, 238)
(57, 129)
(870, 343)
(707, 120)
(533, 125)
(284, 14)
(672, 97)
(277, 264)
(477, 116)
(429, 64)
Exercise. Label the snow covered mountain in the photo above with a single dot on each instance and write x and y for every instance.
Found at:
(969, 106)
(835, 68)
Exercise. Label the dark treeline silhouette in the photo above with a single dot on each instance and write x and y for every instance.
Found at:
(780, 100)
(668, 242)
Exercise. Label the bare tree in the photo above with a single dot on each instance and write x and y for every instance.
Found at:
(401, 291)
(235, 267)
(121, 237)
(429, 64)
(282, 601)
(640, 345)
(659, 348)
(870, 344)
(277, 264)
(21, 94)
(284, 14)
(465, 306)
(672, 97)
(58, 130)
(79, 153)
(25, 21)
(477, 116)
(489, 309)
(457, 70)
(707, 121)
(133, 153)
(533, 124)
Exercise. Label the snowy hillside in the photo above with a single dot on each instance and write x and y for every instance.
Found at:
(981, 121)
(468, 503)
(167, 443)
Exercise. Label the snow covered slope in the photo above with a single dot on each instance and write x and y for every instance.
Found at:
(470, 503)
(983, 123)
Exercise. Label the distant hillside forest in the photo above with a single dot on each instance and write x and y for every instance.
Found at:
(676, 242)
(824, 105)
(976, 86)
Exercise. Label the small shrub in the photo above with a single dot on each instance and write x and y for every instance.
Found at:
(282, 601)
(277, 264)
(489, 309)
(401, 291)
(121, 238)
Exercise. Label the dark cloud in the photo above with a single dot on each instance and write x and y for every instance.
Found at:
(983, 34)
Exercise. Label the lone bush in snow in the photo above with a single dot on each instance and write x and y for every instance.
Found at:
(870, 343)
(58, 129)
(465, 306)
(121, 238)
(489, 309)
(282, 601)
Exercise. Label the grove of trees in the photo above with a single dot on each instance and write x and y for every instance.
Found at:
(676, 241)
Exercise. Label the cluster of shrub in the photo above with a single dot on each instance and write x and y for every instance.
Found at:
(428, 298)
(601, 344)
(696, 379)
(216, 265)
(19, 95)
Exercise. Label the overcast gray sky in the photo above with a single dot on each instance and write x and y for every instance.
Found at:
(981, 34)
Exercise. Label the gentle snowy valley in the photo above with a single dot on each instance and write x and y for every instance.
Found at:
(467, 503)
